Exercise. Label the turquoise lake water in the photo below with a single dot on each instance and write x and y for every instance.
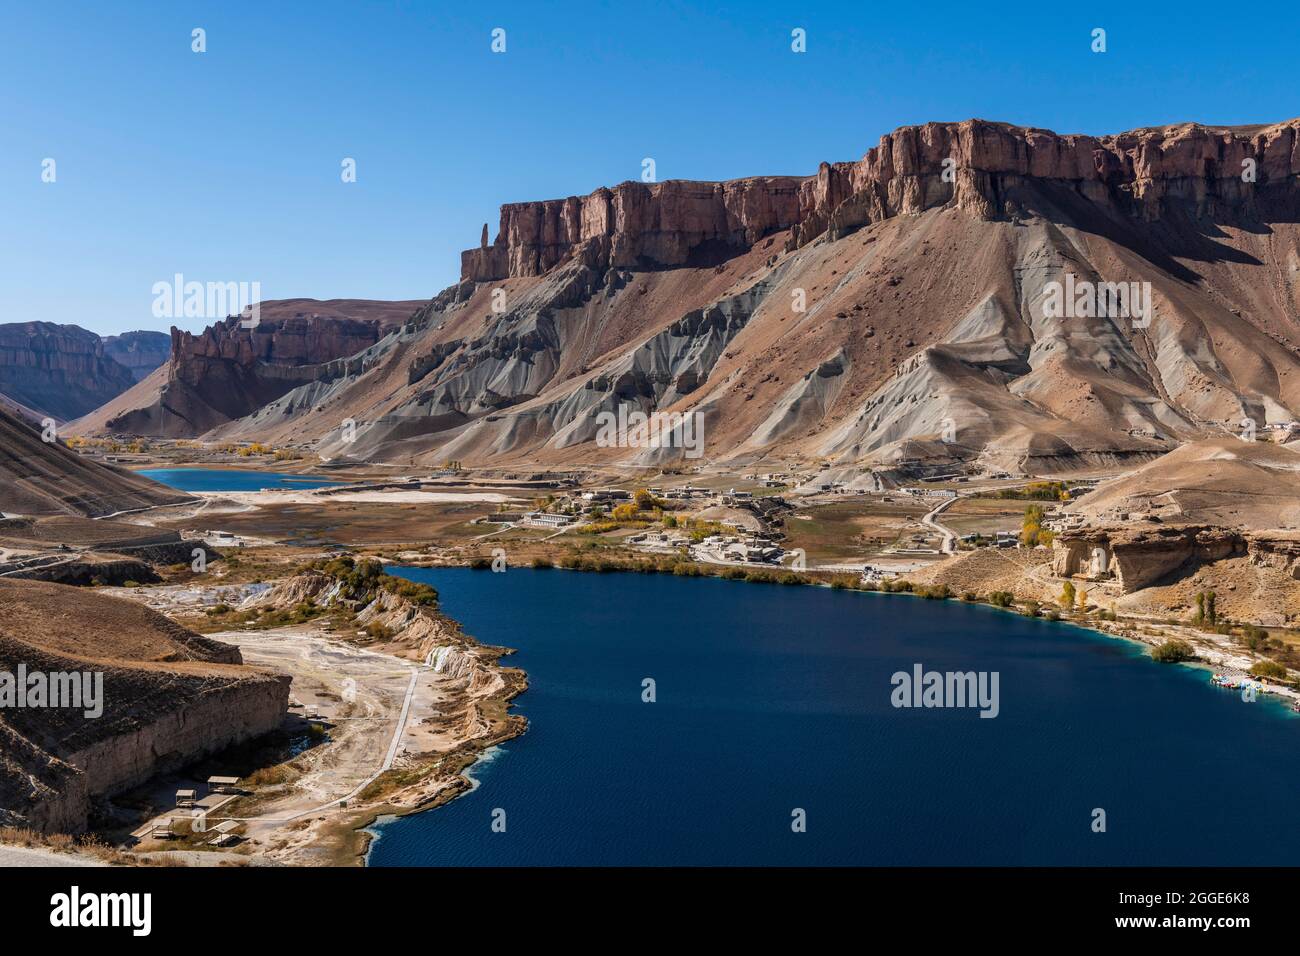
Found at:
(231, 479)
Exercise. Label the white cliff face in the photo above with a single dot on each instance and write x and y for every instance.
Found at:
(418, 633)
(320, 589)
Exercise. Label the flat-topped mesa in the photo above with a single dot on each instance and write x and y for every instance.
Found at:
(986, 169)
(634, 224)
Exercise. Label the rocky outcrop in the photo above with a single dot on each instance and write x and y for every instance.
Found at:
(37, 790)
(235, 367)
(58, 370)
(987, 169)
(1136, 558)
(139, 352)
(409, 630)
(313, 586)
(1139, 557)
(296, 341)
(228, 371)
(1276, 549)
(222, 713)
(635, 224)
(82, 570)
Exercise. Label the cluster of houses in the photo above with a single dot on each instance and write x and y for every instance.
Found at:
(661, 540)
(929, 492)
(1065, 521)
(999, 539)
(752, 549)
(601, 496)
(684, 493)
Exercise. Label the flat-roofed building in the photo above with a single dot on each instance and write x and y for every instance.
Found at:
(542, 519)
(223, 784)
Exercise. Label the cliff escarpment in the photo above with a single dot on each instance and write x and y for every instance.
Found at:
(61, 371)
(165, 697)
(990, 170)
(635, 224)
(996, 170)
(236, 366)
(139, 352)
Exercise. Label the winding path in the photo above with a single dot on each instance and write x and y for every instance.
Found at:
(949, 545)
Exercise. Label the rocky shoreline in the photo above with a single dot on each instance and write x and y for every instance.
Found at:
(377, 668)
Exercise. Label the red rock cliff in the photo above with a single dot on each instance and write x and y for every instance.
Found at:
(634, 223)
(1139, 172)
(293, 341)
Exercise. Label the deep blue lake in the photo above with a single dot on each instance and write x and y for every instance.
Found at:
(231, 479)
(773, 698)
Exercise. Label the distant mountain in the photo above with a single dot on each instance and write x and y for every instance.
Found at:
(140, 352)
(968, 296)
(58, 370)
(229, 371)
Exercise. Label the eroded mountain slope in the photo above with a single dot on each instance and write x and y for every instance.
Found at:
(896, 311)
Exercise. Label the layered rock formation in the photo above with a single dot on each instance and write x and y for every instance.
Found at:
(1136, 557)
(977, 166)
(418, 632)
(139, 352)
(60, 371)
(233, 368)
(70, 550)
(984, 168)
(1279, 550)
(169, 697)
(1139, 557)
(889, 315)
(634, 224)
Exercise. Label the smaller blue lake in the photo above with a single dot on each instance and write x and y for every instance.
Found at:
(232, 479)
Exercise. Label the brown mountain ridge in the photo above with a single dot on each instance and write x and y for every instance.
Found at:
(891, 312)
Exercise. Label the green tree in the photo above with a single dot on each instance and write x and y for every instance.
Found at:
(1268, 669)
(1171, 652)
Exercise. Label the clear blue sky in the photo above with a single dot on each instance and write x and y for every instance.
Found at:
(225, 165)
